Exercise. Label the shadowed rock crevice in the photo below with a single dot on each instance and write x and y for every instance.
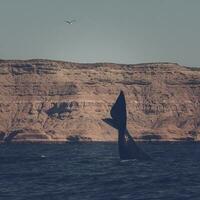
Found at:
(78, 138)
(151, 137)
(59, 109)
(12, 135)
(2, 135)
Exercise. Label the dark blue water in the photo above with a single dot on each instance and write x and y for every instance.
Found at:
(93, 171)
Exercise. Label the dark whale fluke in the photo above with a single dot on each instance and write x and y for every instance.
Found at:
(128, 149)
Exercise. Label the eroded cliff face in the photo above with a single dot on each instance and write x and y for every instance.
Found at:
(42, 100)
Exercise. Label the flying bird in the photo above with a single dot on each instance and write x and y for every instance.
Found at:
(69, 21)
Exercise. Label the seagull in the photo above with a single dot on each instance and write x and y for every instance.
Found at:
(69, 21)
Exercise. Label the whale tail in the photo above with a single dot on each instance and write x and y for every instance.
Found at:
(118, 112)
(128, 149)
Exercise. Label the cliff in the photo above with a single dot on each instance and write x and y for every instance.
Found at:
(42, 100)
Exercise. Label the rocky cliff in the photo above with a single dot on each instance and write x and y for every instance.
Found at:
(42, 100)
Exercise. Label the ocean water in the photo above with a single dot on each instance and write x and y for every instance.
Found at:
(93, 171)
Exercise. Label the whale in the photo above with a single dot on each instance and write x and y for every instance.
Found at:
(128, 149)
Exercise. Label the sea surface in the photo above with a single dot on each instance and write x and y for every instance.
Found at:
(93, 171)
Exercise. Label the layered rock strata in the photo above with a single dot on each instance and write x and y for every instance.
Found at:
(43, 100)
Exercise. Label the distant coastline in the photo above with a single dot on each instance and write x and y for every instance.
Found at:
(46, 101)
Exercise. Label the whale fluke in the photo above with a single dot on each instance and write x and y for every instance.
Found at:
(118, 112)
(128, 149)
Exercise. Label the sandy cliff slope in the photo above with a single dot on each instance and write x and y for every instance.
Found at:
(42, 100)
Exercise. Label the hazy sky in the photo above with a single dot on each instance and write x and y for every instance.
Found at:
(121, 31)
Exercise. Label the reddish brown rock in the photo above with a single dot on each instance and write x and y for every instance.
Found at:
(42, 100)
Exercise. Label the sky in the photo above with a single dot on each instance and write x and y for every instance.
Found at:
(119, 31)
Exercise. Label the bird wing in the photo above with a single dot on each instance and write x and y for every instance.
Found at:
(69, 21)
